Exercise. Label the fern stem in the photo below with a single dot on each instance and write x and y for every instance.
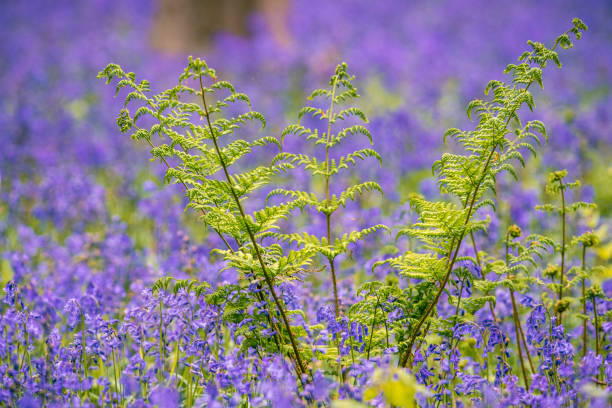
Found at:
(333, 274)
(584, 309)
(476, 252)
(300, 364)
(327, 197)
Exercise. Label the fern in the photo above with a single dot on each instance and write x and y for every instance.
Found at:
(497, 141)
(200, 156)
(193, 131)
(586, 240)
(341, 91)
(557, 185)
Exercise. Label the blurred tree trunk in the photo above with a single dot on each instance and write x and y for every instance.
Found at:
(187, 25)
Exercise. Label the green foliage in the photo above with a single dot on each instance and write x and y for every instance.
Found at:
(195, 157)
(558, 186)
(498, 140)
(198, 161)
(190, 129)
(341, 91)
(171, 285)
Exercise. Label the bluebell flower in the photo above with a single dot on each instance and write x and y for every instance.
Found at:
(10, 293)
(164, 397)
(72, 309)
(590, 364)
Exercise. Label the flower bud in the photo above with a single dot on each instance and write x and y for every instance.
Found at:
(590, 239)
(594, 292)
(562, 305)
(551, 271)
(557, 176)
(514, 231)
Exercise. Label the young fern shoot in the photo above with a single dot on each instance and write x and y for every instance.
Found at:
(491, 148)
(586, 240)
(595, 293)
(558, 185)
(341, 90)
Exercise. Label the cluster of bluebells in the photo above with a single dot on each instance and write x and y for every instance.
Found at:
(84, 232)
